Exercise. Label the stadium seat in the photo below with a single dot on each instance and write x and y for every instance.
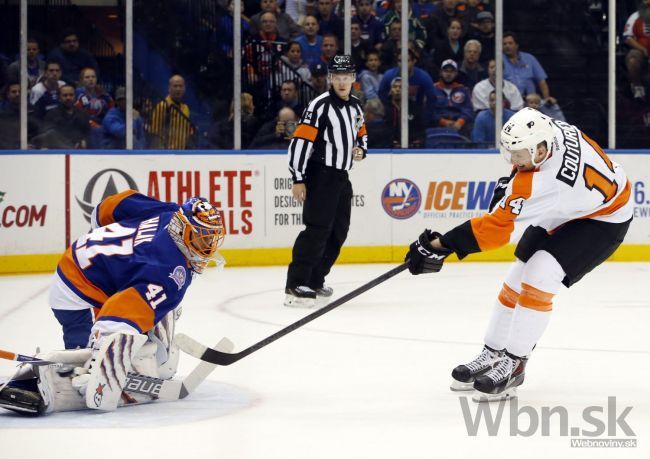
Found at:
(445, 138)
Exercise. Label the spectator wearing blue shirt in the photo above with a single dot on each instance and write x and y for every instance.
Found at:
(533, 100)
(523, 69)
(114, 125)
(224, 29)
(420, 86)
(371, 77)
(423, 9)
(328, 21)
(453, 101)
(310, 41)
(484, 124)
(371, 27)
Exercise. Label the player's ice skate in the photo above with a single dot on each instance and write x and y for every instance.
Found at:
(324, 295)
(300, 297)
(463, 376)
(501, 382)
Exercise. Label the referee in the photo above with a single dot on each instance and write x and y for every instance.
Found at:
(330, 135)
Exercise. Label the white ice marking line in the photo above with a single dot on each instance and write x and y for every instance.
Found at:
(224, 307)
(24, 302)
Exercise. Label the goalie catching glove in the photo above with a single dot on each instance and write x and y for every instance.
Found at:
(422, 257)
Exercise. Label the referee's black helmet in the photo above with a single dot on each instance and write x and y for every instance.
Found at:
(342, 63)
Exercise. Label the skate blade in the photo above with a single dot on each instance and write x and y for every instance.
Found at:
(322, 300)
(24, 410)
(458, 386)
(20, 402)
(481, 397)
(293, 302)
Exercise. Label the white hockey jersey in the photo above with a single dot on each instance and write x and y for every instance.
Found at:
(577, 181)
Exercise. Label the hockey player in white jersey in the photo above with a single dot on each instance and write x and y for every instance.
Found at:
(567, 205)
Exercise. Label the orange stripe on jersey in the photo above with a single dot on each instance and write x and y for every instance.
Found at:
(73, 273)
(493, 230)
(508, 297)
(363, 130)
(616, 204)
(533, 298)
(129, 305)
(600, 151)
(108, 205)
(307, 132)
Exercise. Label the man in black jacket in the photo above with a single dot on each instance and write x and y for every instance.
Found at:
(277, 133)
(66, 126)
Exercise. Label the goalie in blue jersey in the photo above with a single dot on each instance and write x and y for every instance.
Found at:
(116, 293)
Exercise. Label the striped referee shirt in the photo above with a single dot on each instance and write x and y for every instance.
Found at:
(329, 129)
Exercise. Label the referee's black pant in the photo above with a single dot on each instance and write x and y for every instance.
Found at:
(326, 215)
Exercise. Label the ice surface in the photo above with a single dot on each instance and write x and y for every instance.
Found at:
(367, 380)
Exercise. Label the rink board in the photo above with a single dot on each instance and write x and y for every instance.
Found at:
(46, 200)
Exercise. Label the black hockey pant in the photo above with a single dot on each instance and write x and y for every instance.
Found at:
(326, 215)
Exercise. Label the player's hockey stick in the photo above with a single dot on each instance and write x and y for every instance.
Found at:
(218, 357)
(161, 389)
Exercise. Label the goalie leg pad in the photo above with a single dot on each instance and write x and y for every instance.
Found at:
(167, 352)
(112, 359)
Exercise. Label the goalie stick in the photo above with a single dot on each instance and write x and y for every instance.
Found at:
(219, 357)
(161, 389)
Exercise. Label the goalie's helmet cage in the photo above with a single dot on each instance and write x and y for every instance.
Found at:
(197, 229)
(524, 131)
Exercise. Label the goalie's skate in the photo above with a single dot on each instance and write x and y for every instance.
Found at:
(501, 382)
(23, 401)
(463, 376)
(300, 297)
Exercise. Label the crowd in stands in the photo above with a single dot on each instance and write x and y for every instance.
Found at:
(287, 45)
(451, 65)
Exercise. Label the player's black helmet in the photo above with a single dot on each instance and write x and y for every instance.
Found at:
(341, 63)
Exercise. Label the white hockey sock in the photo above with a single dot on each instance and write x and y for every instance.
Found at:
(526, 329)
(540, 281)
(497, 331)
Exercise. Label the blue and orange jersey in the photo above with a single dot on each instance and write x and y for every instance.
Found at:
(128, 267)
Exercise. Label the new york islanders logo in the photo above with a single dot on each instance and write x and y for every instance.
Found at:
(401, 198)
(178, 276)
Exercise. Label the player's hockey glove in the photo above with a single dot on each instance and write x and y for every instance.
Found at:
(500, 190)
(422, 257)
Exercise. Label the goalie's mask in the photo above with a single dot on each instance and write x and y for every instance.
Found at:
(524, 131)
(197, 229)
